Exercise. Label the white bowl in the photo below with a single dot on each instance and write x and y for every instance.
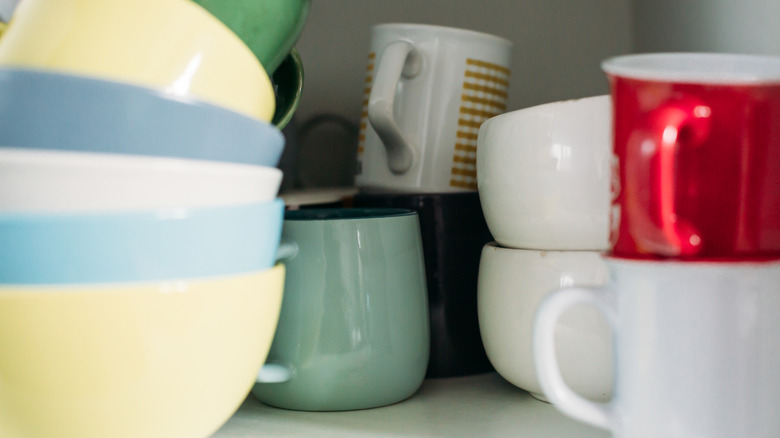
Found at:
(543, 175)
(511, 284)
(40, 180)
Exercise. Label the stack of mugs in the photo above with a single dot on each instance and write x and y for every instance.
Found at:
(694, 255)
(381, 293)
(428, 89)
(139, 220)
(544, 178)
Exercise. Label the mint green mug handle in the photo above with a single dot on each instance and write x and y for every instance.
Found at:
(286, 250)
(274, 373)
(278, 372)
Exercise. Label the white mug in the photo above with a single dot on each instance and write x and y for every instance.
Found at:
(428, 89)
(697, 349)
(544, 172)
(512, 283)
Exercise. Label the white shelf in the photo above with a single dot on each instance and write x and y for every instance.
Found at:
(477, 406)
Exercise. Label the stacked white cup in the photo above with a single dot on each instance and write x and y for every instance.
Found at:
(543, 177)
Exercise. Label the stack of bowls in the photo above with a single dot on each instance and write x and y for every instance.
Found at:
(139, 220)
(543, 176)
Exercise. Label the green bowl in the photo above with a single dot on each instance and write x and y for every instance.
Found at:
(270, 28)
(288, 86)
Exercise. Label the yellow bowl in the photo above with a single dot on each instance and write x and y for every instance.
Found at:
(174, 45)
(172, 359)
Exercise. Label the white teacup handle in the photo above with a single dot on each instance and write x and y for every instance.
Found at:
(399, 59)
(547, 369)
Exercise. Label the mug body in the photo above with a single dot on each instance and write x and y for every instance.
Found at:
(713, 333)
(171, 45)
(697, 152)
(543, 174)
(353, 330)
(696, 349)
(512, 283)
(452, 81)
(164, 359)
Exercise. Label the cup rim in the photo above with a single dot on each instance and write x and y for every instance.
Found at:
(444, 29)
(346, 214)
(415, 196)
(697, 67)
(540, 252)
(522, 112)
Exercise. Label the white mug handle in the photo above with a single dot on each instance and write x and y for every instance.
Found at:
(547, 369)
(399, 59)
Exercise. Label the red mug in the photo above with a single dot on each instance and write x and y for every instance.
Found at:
(696, 166)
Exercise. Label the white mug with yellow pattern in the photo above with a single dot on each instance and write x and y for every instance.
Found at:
(428, 89)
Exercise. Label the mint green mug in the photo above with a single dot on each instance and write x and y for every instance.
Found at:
(354, 326)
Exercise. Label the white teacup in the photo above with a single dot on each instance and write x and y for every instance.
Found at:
(428, 89)
(544, 175)
(697, 349)
(512, 282)
(40, 180)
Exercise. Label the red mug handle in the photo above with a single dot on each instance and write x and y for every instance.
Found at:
(652, 178)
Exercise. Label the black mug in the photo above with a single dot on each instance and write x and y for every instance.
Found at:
(453, 233)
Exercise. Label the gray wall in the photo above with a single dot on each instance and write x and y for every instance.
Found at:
(558, 44)
(739, 26)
